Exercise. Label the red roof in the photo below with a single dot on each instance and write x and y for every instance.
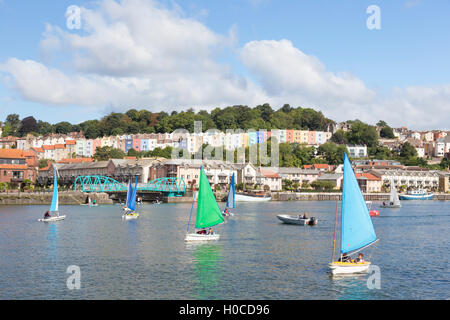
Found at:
(76, 160)
(368, 176)
(60, 146)
(130, 158)
(47, 147)
(13, 166)
(307, 166)
(11, 154)
(321, 165)
(37, 149)
(71, 142)
(269, 173)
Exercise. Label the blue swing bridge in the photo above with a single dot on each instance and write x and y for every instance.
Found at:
(171, 187)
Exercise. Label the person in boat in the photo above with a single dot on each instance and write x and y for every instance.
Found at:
(391, 203)
(345, 258)
(384, 203)
(210, 231)
(47, 214)
(93, 202)
(360, 258)
(203, 231)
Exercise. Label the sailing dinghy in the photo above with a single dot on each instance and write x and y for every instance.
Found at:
(130, 207)
(53, 214)
(357, 231)
(208, 212)
(230, 199)
(394, 201)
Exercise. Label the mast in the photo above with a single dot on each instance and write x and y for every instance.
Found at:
(334, 236)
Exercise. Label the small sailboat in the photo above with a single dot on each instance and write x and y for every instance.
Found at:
(53, 214)
(230, 199)
(130, 207)
(208, 213)
(394, 201)
(357, 231)
(372, 212)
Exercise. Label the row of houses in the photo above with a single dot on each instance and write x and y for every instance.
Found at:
(59, 146)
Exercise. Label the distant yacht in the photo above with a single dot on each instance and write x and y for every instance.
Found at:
(417, 195)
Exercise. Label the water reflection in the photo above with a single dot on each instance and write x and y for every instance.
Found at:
(207, 266)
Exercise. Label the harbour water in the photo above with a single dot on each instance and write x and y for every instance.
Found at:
(257, 256)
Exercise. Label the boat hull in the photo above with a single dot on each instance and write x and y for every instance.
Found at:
(130, 216)
(391, 206)
(229, 214)
(374, 213)
(194, 237)
(245, 198)
(416, 197)
(288, 219)
(52, 219)
(348, 267)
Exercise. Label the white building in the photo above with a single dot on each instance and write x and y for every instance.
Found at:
(357, 151)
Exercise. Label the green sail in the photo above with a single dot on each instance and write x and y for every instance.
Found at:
(208, 211)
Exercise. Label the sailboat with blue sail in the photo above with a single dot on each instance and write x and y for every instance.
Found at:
(130, 206)
(53, 214)
(357, 231)
(230, 199)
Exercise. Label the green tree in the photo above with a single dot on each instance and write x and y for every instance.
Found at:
(106, 153)
(408, 151)
(387, 132)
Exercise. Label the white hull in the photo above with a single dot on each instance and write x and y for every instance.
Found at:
(201, 237)
(52, 219)
(130, 216)
(292, 219)
(245, 198)
(348, 268)
(391, 206)
(229, 214)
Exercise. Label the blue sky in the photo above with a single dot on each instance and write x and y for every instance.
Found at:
(408, 56)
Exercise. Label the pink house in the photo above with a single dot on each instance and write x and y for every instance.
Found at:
(311, 137)
(96, 143)
(137, 144)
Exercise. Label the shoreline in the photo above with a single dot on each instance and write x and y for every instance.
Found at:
(78, 197)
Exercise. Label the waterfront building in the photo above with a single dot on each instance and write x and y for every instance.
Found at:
(16, 166)
(411, 178)
(335, 178)
(368, 182)
(297, 175)
(444, 181)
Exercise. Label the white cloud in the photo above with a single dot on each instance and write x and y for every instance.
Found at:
(138, 53)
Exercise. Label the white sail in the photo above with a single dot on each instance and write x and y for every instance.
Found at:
(393, 196)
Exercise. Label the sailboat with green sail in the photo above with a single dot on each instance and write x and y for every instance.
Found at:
(357, 231)
(208, 213)
(53, 214)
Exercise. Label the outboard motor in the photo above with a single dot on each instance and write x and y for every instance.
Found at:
(312, 221)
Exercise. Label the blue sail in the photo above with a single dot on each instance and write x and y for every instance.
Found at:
(356, 225)
(132, 203)
(129, 191)
(231, 193)
(54, 206)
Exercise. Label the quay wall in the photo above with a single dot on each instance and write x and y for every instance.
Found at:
(64, 197)
(78, 197)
